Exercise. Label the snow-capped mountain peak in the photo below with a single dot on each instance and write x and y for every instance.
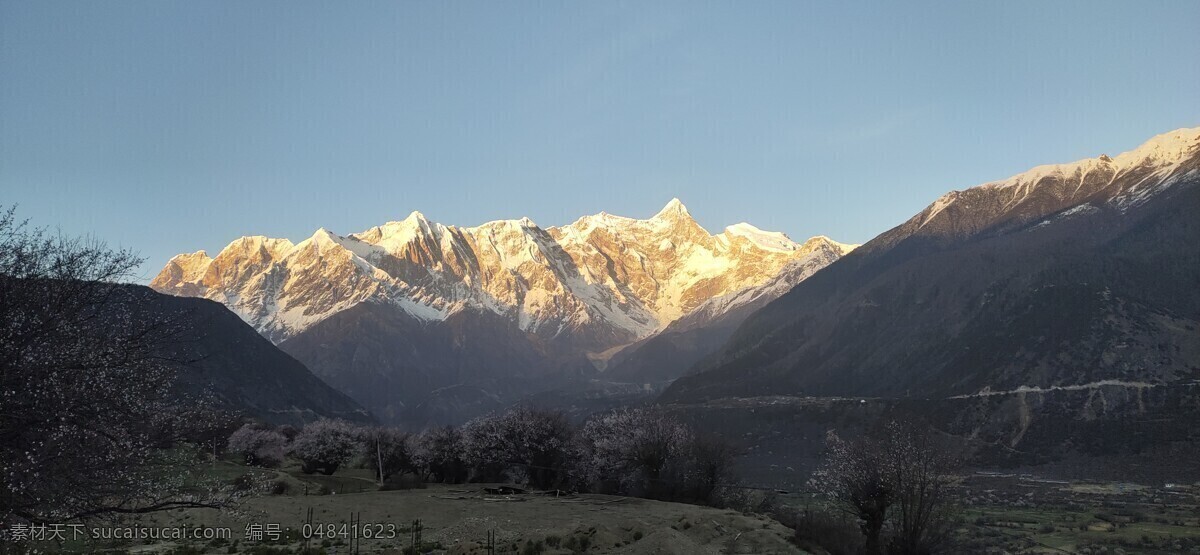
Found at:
(600, 281)
(845, 248)
(674, 209)
(770, 240)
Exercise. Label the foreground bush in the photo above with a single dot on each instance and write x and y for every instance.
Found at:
(818, 531)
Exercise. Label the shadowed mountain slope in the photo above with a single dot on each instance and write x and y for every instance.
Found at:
(1063, 275)
(225, 359)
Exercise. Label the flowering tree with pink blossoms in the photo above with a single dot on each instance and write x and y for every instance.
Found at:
(630, 449)
(439, 451)
(522, 444)
(258, 445)
(325, 445)
(84, 385)
(896, 481)
(387, 451)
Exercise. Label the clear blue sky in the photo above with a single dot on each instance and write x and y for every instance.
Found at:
(176, 126)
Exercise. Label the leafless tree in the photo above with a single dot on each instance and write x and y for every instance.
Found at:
(919, 472)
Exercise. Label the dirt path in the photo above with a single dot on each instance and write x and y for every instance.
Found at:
(1075, 387)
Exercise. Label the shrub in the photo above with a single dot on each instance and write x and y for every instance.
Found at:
(533, 548)
(821, 531)
(701, 467)
(245, 482)
(403, 482)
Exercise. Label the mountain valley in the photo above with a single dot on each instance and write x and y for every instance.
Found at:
(1037, 309)
(412, 315)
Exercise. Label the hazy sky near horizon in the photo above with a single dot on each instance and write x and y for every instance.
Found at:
(177, 126)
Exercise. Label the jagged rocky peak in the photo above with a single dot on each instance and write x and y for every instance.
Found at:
(609, 277)
(674, 210)
(323, 237)
(767, 240)
(257, 244)
(821, 240)
(184, 273)
(493, 226)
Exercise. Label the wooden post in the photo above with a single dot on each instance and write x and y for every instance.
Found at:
(379, 458)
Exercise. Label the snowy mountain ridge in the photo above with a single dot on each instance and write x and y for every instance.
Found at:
(601, 281)
(1156, 163)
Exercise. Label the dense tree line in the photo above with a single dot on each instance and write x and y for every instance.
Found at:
(892, 486)
(642, 452)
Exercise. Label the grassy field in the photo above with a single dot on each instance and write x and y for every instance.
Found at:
(1021, 514)
(1017, 514)
(453, 519)
(1072, 530)
(998, 514)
